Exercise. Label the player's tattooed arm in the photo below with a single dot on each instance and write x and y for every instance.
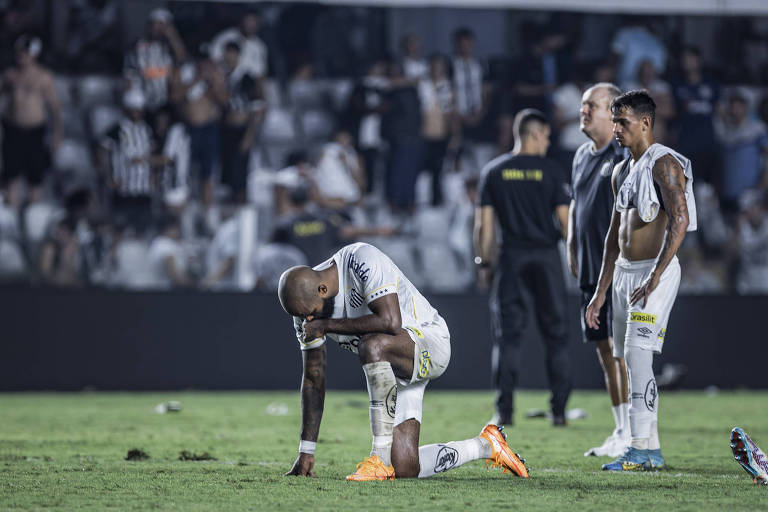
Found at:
(668, 174)
(312, 392)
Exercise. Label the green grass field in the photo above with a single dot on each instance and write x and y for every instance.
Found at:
(66, 451)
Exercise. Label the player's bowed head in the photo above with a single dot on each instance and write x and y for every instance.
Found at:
(306, 293)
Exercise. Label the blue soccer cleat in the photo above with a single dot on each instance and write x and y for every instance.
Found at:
(749, 456)
(655, 459)
(632, 460)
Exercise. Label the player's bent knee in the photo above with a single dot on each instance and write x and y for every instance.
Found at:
(372, 348)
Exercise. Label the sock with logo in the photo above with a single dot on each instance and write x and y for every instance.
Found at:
(643, 395)
(437, 458)
(382, 393)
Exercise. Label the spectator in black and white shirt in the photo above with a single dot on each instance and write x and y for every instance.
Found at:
(129, 145)
(172, 146)
(150, 63)
(468, 82)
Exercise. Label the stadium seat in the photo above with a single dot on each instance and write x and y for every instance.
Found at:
(340, 90)
(441, 269)
(97, 90)
(74, 155)
(38, 217)
(101, 119)
(132, 265)
(273, 94)
(305, 94)
(278, 126)
(432, 224)
(316, 124)
(12, 263)
(64, 89)
(73, 121)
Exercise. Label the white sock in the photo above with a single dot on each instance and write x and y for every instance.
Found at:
(382, 393)
(625, 418)
(437, 458)
(653, 441)
(616, 410)
(643, 395)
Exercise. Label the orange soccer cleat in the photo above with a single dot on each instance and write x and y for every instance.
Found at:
(372, 468)
(501, 454)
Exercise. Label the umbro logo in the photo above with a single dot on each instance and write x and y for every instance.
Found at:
(644, 332)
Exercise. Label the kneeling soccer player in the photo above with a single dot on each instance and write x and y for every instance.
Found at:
(362, 300)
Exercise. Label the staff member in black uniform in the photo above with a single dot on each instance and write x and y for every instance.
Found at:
(590, 216)
(527, 193)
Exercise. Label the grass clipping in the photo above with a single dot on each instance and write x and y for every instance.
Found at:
(136, 454)
(185, 455)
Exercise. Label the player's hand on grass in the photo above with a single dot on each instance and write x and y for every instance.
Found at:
(303, 466)
(644, 290)
(593, 310)
(314, 328)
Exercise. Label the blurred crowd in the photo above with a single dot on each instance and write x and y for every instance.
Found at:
(218, 163)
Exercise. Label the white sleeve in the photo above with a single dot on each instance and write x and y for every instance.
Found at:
(375, 273)
(218, 43)
(298, 326)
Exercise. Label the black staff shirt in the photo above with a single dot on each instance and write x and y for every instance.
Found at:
(524, 191)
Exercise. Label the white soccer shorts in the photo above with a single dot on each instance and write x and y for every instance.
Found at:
(431, 355)
(633, 324)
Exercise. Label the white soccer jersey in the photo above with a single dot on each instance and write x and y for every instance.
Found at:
(367, 274)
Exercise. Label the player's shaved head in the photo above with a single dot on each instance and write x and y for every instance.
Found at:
(528, 120)
(297, 289)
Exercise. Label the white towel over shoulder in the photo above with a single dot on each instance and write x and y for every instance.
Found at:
(638, 190)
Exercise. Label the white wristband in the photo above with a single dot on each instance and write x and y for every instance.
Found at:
(307, 447)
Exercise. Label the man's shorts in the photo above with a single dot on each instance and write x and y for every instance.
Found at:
(431, 354)
(605, 316)
(635, 325)
(24, 153)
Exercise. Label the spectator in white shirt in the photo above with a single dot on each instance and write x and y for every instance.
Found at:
(339, 174)
(414, 65)
(167, 259)
(253, 51)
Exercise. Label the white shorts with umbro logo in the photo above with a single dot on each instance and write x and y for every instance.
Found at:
(633, 324)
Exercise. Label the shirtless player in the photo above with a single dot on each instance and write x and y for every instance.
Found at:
(31, 90)
(654, 207)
